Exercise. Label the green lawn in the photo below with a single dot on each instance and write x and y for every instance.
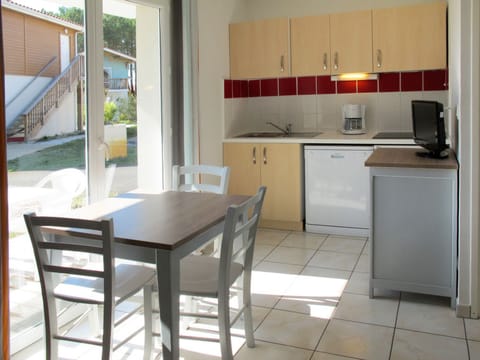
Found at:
(70, 154)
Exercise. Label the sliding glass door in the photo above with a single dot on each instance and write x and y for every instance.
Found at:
(101, 128)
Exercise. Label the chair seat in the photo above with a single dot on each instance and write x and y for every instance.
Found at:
(199, 275)
(129, 280)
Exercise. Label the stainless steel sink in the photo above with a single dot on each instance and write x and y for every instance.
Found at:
(269, 134)
(304, 134)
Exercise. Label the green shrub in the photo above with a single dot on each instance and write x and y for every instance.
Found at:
(109, 111)
(127, 110)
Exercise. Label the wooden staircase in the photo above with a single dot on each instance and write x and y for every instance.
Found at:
(36, 114)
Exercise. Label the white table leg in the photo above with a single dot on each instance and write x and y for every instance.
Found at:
(168, 271)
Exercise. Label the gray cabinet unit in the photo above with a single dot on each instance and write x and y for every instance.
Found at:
(414, 223)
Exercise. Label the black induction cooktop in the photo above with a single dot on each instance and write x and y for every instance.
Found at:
(394, 135)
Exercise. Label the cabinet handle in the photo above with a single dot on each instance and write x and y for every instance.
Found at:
(337, 156)
(335, 60)
(379, 58)
(265, 156)
(325, 61)
(254, 155)
(282, 63)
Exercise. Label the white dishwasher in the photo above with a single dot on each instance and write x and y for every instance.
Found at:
(337, 190)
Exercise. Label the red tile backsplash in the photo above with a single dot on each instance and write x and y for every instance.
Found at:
(287, 86)
(430, 80)
(435, 80)
(412, 81)
(366, 86)
(240, 88)
(227, 89)
(269, 87)
(307, 85)
(389, 82)
(346, 87)
(253, 88)
(325, 85)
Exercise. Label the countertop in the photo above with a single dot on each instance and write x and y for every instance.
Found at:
(407, 158)
(328, 137)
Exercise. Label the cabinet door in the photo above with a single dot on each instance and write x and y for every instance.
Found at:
(410, 38)
(310, 45)
(244, 162)
(281, 173)
(351, 42)
(259, 49)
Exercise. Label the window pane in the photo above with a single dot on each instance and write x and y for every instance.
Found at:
(44, 68)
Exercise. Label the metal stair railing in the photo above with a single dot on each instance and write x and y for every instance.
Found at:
(35, 114)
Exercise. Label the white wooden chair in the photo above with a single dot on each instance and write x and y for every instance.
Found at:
(193, 178)
(202, 178)
(94, 284)
(210, 277)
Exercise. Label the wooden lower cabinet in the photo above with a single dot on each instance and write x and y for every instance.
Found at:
(277, 166)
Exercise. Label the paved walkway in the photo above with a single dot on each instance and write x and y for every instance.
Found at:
(15, 150)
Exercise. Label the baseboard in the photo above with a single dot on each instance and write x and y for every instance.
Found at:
(337, 230)
(463, 311)
(281, 225)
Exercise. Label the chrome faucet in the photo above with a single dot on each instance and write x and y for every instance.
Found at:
(287, 131)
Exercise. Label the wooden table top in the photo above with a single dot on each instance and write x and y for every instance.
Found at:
(161, 221)
(407, 158)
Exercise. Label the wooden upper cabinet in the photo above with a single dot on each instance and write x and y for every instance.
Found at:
(259, 49)
(410, 38)
(310, 45)
(351, 42)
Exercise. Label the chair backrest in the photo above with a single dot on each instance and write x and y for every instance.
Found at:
(70, 181)
(239, 237)
(192, 178)
(50, 237)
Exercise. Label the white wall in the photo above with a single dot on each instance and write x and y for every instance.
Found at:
(262, 9)
(464, 94)
(14, 84)
(62, 120)
(213, 19)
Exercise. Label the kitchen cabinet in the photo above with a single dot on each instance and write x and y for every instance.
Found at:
(331, 44)
(259, 49)
(410, 37)
(413, 241)
(310, 45)
(278, 167)
(351, 42)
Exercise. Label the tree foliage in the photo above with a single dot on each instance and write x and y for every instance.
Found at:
(118, 32)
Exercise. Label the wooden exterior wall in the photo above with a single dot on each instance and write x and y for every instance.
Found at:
(30, 43)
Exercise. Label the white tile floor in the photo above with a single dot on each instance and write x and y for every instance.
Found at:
(311, 302)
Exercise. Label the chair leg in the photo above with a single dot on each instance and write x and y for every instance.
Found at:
(51, 328)
(248, 319)
(224, 327)
(148, 314)
(247, 312)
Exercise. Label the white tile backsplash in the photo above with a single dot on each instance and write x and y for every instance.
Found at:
(406, 108)
(387, 112)
(384, 112)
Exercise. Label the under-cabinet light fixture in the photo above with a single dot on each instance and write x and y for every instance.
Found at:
(354, 76)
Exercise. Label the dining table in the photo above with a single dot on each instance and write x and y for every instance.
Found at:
(162, 228)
